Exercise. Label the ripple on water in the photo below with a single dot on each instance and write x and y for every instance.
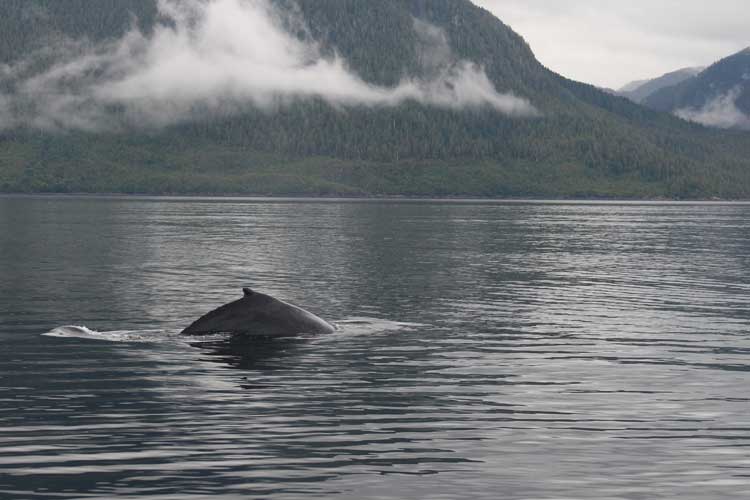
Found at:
(531, 351)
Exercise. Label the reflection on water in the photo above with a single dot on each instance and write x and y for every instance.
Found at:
(484, 350)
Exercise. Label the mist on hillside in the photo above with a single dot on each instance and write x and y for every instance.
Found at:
(218, 58)
(720, 112)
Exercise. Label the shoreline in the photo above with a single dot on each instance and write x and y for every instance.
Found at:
(256, 198)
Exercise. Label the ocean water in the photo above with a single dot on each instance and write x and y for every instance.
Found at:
(484, 350)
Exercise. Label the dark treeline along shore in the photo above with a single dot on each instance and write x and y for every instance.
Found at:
(583, 143)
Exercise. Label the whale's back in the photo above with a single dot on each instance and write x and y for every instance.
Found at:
(258, 314)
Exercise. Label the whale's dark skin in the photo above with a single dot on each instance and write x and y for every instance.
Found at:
(261, 315)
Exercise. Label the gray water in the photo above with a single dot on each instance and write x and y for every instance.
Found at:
(484, 350)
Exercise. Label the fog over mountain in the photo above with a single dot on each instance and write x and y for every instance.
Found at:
(218, 57)
(721, 111)
(325, 97)
(719, 96)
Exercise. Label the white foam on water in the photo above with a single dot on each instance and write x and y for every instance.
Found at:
(349, 326)
(369, 326)
(82, 332)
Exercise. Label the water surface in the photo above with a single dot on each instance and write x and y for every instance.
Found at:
(485, 350)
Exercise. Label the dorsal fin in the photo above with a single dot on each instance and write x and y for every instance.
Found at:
(248, 292)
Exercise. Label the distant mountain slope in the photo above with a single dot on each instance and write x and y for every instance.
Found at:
(640, 90)
(719, 96)
(481, 116)
(629, 87)
(29, 25)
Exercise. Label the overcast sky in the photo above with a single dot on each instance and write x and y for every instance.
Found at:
(612, 42)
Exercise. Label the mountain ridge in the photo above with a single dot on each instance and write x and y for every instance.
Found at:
(640, 90)
(583, 142)
(718, 96)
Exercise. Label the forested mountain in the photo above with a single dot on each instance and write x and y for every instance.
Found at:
(573, 140)
(718, 96)
(29, 25)
(640, 90)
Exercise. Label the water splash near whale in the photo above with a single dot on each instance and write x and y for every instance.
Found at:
(82, 332)
(349, 327)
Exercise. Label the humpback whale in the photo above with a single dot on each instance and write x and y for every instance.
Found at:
(258, 314)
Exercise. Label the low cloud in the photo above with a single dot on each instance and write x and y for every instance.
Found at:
(720, 112)
(219, 57)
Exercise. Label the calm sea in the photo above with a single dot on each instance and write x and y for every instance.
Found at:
(484, 351)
